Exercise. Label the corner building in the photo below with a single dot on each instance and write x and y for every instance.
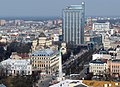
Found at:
(45, 60)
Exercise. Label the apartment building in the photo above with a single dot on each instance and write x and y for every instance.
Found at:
(114, 67)
(98, 66)
(45, 60)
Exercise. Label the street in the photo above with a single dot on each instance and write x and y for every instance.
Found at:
(44, 82)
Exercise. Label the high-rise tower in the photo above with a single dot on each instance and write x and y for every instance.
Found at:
(73, 23)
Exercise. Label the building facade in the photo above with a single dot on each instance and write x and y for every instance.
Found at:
(73, 23)
(18, 67)
(106, 41)
(45, 60)
(98, 67)
(101, 26)
(114, 67)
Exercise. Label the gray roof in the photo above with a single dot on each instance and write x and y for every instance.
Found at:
(42, 34)
(2, 85)
(116, 60)
(97, 61)
(43, 52)
(75, 7)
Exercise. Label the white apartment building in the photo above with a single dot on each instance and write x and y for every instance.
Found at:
(101, 26)
(106, 41)
(56, 37)
(98, 67)
(18, 67)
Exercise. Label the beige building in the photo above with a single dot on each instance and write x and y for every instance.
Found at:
(15, 56)
(41, 42)
(3, 39)
(63, 48)
(2, 22)
(19, 56)
(45, 60)
(87, 38)
(98, 67)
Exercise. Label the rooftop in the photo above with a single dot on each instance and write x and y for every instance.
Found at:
(93, 83)
(116, 60)
(43, 52)
(103, 52)
(74, 7)
(42, 34)
(16, 62)
(69, 83)
(99, 61)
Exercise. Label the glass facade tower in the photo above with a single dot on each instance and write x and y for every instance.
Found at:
(73, 23)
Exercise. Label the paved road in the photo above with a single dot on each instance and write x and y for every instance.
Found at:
(44, 82)
(73, 59)
(82, 73)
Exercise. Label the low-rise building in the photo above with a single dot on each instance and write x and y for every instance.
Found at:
(19, 56)
(45, 60)
(98, 66)
(101, 26)
(18, 67)
(114, 67)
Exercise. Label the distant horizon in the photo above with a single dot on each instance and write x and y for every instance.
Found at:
(29, 17)
(44, 17)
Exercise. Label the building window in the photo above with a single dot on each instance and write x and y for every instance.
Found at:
(28, 72)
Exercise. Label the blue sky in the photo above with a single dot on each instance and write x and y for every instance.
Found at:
(54, 7)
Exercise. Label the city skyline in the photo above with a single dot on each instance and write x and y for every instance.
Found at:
(18, 8)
